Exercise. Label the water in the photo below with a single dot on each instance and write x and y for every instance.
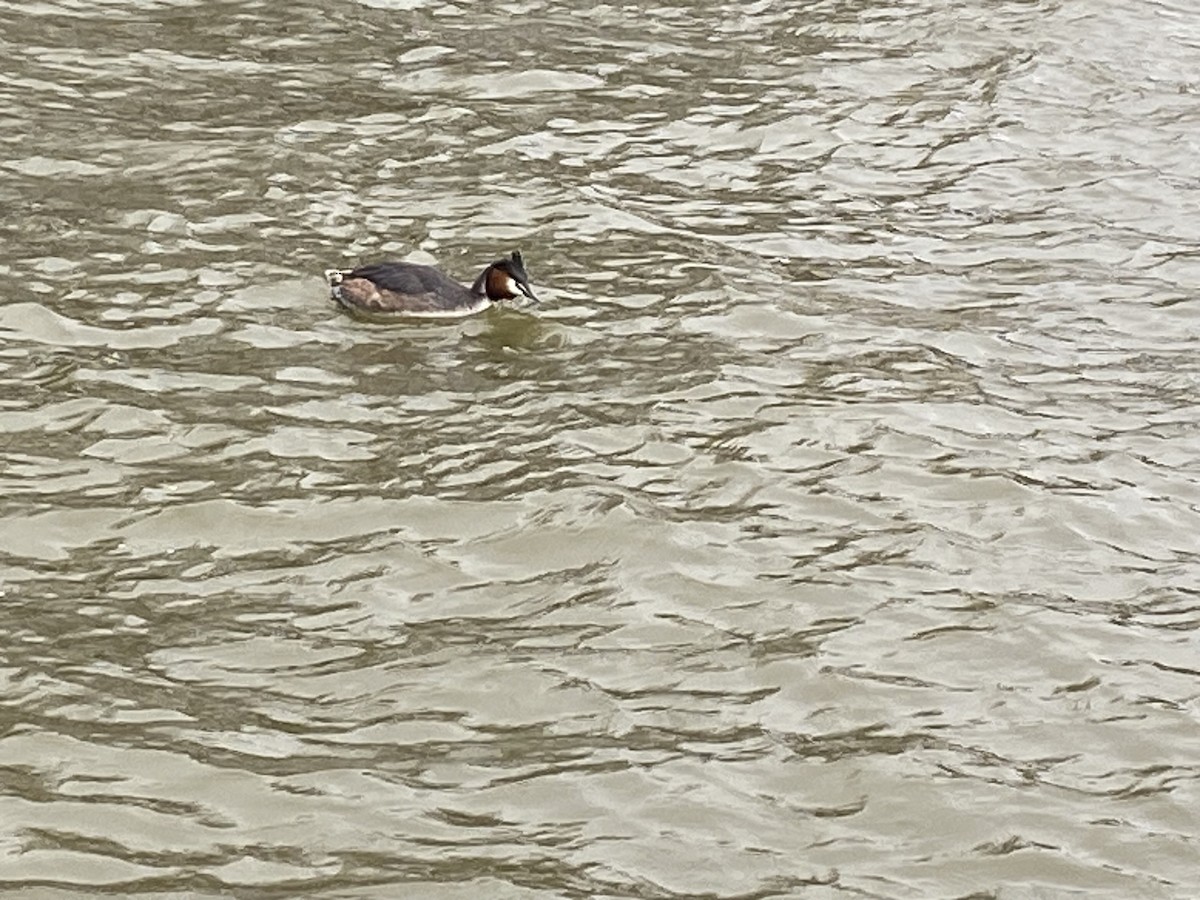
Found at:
(830, 531)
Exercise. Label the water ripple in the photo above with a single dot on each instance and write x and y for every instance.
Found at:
(845, 484)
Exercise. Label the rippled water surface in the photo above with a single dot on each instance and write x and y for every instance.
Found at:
(832, 529)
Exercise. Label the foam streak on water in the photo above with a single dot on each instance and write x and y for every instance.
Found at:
(831, 530)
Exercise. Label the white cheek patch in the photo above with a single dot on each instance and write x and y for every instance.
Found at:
(511, 287)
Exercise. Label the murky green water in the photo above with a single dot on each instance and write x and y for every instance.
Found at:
(832, 530)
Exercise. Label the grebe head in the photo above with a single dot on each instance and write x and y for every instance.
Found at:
(506, 279)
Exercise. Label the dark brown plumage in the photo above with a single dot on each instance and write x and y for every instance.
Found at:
(396, 287)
